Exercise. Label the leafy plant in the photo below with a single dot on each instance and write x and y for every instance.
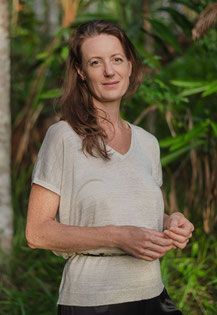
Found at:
(176, 102)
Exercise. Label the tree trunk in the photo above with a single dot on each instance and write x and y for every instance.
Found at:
(6, 213)
(47, 12)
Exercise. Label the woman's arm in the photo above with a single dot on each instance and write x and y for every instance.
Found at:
(43, 231)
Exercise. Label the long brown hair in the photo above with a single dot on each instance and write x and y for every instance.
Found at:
(76, 104)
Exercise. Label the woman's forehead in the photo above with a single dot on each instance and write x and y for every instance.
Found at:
(100, 46)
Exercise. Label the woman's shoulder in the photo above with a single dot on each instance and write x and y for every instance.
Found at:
(145, 135)
(61, 130)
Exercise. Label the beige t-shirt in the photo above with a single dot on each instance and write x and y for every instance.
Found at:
(94, 192)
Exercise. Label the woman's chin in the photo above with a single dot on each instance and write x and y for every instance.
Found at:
(109, 97)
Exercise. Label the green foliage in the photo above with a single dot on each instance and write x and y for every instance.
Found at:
(190, 275)
(191, 88)
(31, 278)
(195, 138)
(179, 19)
(179, 90)
(30, 281)
(163, 32)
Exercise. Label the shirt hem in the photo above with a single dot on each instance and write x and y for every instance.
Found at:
(75, 298)
(46, 185)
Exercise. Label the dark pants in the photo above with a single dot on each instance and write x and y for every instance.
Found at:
(159, 305)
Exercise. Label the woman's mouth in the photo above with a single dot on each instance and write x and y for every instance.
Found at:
(114, 83)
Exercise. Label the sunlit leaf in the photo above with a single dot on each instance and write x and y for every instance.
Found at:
(64, 53)
(190, 84)
(211, 89)
(171, 157)
(50, 94)
(43, 55)
(193, 91)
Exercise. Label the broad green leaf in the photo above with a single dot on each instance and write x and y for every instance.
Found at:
(171, 157)
(50, 94)
(64, 53)
(193, 91)
(161, 83)
(165, 143)
(43, 55)
(192, 135)
(211, 89)
(194, 249)
(191, 84)
(180, 140)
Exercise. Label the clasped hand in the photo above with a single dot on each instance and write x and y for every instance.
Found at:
(150, 244)
(178, 229)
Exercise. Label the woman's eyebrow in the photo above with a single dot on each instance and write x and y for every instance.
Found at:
(117, 54)
(97, 57)
(101, 57)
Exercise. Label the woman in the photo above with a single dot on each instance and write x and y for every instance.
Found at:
(95, 196)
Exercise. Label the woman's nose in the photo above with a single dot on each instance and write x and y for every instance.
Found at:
(108, 69)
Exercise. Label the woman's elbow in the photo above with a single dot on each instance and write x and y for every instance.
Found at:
(31, 239)
(31, 245)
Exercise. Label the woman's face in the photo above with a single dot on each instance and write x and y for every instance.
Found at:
(105, 67)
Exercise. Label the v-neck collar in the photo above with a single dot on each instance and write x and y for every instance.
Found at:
(119, 155)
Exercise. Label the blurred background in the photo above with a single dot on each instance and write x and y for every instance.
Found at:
(177, 102)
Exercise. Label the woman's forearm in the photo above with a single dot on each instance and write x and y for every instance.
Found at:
(56, 236)
(53, 235)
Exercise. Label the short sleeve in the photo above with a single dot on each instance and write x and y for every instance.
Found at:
(156, 166)
(47, 170)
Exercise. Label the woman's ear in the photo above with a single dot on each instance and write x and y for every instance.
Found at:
(130, 68)
(80, 73)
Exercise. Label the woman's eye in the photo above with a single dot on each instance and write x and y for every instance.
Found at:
(118, 60)
(94, 63)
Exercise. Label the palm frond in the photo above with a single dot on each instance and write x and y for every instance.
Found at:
(206, 20)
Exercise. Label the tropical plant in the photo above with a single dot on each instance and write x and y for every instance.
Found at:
(176, 102)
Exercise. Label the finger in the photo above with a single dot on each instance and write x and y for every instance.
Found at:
(151, 254)
(153, 232)
(156, 236)
(184, 231)
(162, 241)
(146, 257)
(192, 227)
(180, 245)
(181, 231)
(174, 222)
(175, 237)
(157, 248)
(186, 224)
